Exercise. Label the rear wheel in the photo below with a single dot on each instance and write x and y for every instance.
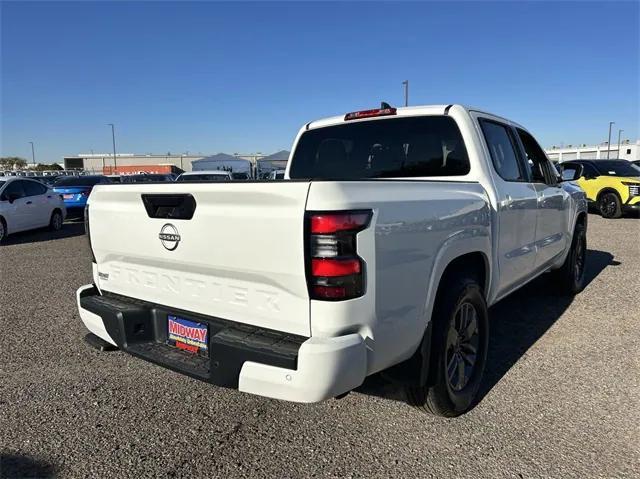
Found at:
(55, 224)
(3, 230)
(459, 350)
(610, 205)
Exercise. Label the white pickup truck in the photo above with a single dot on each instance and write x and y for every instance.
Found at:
(392, 233)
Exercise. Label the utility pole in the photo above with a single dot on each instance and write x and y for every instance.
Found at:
(33, 154)
(619, 134)
(113, 137)
(609, 142)
(406, 92)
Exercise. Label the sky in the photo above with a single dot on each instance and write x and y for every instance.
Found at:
(243, 77)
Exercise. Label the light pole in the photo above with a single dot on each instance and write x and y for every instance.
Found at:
(113, 137)
(619, 133)
(33, 154)
(406, 92)
(609, 142)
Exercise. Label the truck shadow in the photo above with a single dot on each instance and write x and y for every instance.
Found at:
(516, 323)
(522, 318)
(18, 465)
(69, 229)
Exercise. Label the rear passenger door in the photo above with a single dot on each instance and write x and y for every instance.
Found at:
(553, 201)
(517, 206)
(39, 210)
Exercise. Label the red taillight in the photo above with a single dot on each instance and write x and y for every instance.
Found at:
(334, 267)
(356, 115)
(335, 271)
(335, 222)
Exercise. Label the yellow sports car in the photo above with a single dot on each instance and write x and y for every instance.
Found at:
(611, 186)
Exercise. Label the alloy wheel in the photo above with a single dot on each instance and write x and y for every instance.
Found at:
(462, 347)
(608, 205)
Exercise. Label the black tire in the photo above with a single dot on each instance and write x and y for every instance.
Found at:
(3, 230)
(570, 277)
(442, 397)
(55, 223)
(610, 205)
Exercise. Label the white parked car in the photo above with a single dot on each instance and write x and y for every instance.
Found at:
(27, 204)
(396, 230)
(205, 175)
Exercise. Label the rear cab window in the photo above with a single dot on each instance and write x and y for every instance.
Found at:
(404, 147)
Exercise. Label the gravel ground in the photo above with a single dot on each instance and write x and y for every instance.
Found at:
(561, 396)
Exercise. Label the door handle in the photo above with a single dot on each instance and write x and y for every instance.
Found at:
(29, 202)
(49, 196)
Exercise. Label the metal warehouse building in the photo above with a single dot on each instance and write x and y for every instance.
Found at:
(628, 151)
(151, 163)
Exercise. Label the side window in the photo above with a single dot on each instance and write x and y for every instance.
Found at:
(536, 159)
(589, 171)
(31, 188)
(502, 150)
(16, 188)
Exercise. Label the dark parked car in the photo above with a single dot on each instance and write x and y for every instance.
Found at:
(147, 178)
(47, 180)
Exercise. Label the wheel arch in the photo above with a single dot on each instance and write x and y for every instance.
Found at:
(608, 189)
(416, 369)
(581, 219)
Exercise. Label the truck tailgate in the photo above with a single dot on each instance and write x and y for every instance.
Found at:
(240, 257)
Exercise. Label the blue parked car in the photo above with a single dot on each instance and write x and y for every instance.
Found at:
(75, 191)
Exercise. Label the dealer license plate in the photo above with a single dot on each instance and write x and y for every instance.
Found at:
(188, 335)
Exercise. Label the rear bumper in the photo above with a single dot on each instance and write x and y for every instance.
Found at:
(75, 205)
(253, 360)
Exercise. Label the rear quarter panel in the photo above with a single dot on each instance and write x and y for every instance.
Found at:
(417, 229)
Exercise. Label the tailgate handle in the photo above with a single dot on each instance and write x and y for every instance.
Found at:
(177, 207)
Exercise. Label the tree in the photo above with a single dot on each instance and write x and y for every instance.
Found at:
(8, 162)
(45, 167)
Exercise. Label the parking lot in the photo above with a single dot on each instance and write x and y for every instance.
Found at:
(561, 396)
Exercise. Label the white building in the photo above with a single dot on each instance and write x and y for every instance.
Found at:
(628, 151)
